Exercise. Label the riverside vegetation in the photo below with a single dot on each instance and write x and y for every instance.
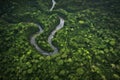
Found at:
(88, 44)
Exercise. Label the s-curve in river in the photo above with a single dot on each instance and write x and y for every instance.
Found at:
(58, 27)
(33, 42)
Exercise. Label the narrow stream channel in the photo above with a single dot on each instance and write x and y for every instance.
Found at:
(58, 27)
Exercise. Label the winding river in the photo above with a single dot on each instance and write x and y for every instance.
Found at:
(58, 27)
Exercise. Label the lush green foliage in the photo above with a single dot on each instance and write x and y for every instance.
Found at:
(88, 43)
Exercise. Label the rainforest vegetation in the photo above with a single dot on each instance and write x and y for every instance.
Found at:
(88, 44)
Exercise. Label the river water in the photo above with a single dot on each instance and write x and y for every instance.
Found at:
(58, 27)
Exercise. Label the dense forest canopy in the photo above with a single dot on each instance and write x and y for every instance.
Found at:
(88, 44)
